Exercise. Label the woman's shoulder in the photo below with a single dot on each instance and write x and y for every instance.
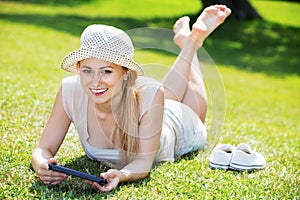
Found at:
(71, 87)
(74, 98)
(143, 79)
(70, 79)
(71, 84)
(147, 88)
(146, 83)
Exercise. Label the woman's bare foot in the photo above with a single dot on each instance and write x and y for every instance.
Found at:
(182, 30)
(208, 21)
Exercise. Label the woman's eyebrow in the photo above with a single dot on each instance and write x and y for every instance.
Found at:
(103, 67)
(85, 66)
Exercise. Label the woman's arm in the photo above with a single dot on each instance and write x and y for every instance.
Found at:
(149, 132)
(49, 143)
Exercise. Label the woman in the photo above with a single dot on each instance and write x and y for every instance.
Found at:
(124, 119)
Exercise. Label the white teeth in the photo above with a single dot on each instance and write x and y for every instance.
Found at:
(98, 90)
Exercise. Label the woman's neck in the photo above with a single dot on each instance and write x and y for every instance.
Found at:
(106, 109)
(102, 111)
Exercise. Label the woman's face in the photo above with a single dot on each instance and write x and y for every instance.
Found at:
(100, 79)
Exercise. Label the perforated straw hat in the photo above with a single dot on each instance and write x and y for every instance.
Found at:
(104, 42)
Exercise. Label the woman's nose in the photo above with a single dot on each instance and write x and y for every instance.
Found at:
(97, 78)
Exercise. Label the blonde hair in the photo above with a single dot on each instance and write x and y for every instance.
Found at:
(127, 119)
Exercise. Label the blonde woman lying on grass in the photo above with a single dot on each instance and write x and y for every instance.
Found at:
(122, 117)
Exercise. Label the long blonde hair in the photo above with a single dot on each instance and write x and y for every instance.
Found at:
(127, 119)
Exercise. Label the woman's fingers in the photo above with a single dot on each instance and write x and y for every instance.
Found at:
(48, 176)
(53, 178)
(112, 178)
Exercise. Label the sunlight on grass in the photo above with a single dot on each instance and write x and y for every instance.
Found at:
(282, 12)
(131, 8)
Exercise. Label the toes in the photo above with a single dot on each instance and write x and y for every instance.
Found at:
(227, 12)
(216, 8)
(185, 18)
(181, 23)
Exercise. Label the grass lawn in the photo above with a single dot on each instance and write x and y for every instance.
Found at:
(254, 95)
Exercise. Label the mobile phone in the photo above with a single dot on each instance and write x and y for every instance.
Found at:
(72, 172)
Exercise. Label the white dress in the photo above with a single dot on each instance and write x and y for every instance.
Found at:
(182, 130)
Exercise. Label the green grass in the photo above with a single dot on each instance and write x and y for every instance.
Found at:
(259, 67)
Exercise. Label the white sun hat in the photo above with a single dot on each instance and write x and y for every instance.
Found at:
(104, 42)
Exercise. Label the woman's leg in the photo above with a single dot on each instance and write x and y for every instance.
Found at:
(184, 81)
(194, 94)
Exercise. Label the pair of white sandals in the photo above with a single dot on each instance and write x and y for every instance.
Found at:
(240, 158)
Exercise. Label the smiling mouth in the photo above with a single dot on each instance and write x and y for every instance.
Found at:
(98, 92)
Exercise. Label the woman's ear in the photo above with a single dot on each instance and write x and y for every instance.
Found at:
(126, 75)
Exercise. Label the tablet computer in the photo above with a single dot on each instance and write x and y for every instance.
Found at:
(72, 172)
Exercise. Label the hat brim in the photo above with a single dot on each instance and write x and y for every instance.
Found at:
(69, 62)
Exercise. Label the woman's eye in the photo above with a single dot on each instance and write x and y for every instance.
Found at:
(87, 71)
(106, 71)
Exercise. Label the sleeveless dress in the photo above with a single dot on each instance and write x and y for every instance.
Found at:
(182, 130)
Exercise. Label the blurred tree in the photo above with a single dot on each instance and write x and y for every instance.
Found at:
(241, 9)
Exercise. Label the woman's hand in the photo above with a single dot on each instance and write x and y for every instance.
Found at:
(48, 176)
(113, 177)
